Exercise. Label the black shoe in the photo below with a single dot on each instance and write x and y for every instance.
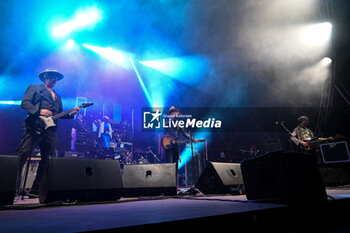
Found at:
(33, 192)
(33, 196)
(22, 192)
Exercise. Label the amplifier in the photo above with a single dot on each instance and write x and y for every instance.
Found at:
(335, 152)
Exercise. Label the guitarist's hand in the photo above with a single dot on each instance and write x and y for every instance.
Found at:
(75, 111)
(45, 113)
(195, 140)
(304, 143)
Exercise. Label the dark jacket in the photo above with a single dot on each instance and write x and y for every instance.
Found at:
(34, 95)
(31, 99)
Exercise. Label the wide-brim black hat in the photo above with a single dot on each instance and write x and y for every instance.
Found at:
(50, 73)
(172, 109)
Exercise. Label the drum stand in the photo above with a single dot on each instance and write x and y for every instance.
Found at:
(149, 151)
(23, 192)
(193, 160)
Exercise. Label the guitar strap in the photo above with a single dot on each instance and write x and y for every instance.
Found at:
(41, 98)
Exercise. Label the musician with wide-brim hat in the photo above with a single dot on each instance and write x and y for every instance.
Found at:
(172, 151)
(40, 100)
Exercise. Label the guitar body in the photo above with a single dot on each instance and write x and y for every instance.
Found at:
(311, 145)
(34, 124)
(167, 141)
(38, 124)
(48, 122)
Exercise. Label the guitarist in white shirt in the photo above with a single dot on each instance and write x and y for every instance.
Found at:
(303, 136)
(40, 100)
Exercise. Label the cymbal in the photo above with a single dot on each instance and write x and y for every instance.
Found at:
(138, 150)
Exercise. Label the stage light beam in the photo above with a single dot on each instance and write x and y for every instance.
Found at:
(186, 154)
(113, 55)
(148, 96)
(10, 102)
(187, 69)
(318, 33)
(86, 17)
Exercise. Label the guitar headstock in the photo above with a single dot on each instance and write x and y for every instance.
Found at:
(85, 105)
(339, 136)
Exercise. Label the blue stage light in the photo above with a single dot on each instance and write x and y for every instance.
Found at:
(111, 54)
(148, 96)
(10, 102)
(188, 69)
(186, 154)
(70, 42)
(86, 17)
(70, 45)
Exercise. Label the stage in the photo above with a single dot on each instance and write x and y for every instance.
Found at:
(178, 213)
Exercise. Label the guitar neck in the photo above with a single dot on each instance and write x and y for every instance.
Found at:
(182, 141)
(187, 141)
(62, 114)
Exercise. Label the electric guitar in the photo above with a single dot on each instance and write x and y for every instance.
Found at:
(41, 123)
(168, 140)
(315, 143)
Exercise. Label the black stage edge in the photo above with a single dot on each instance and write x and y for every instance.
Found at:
(181, 213)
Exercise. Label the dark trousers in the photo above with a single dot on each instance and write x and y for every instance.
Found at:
(47, 144)
(172, 156)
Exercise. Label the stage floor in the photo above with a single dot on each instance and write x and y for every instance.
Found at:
(175, 213)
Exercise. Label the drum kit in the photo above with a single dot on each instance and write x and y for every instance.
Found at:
(125, 153)
(120, 148)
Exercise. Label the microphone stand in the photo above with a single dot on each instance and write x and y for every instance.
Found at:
(193, 162)
(284, 127)
(288, 131)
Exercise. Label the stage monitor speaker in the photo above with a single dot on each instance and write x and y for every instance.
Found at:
(8, 178)
(83, 180)
(220, 178)
(285, 177)
(149, 179)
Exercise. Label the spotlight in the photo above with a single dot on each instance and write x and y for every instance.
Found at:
(326, 61)
(84, 17)
(70, 42)
(318, 33)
